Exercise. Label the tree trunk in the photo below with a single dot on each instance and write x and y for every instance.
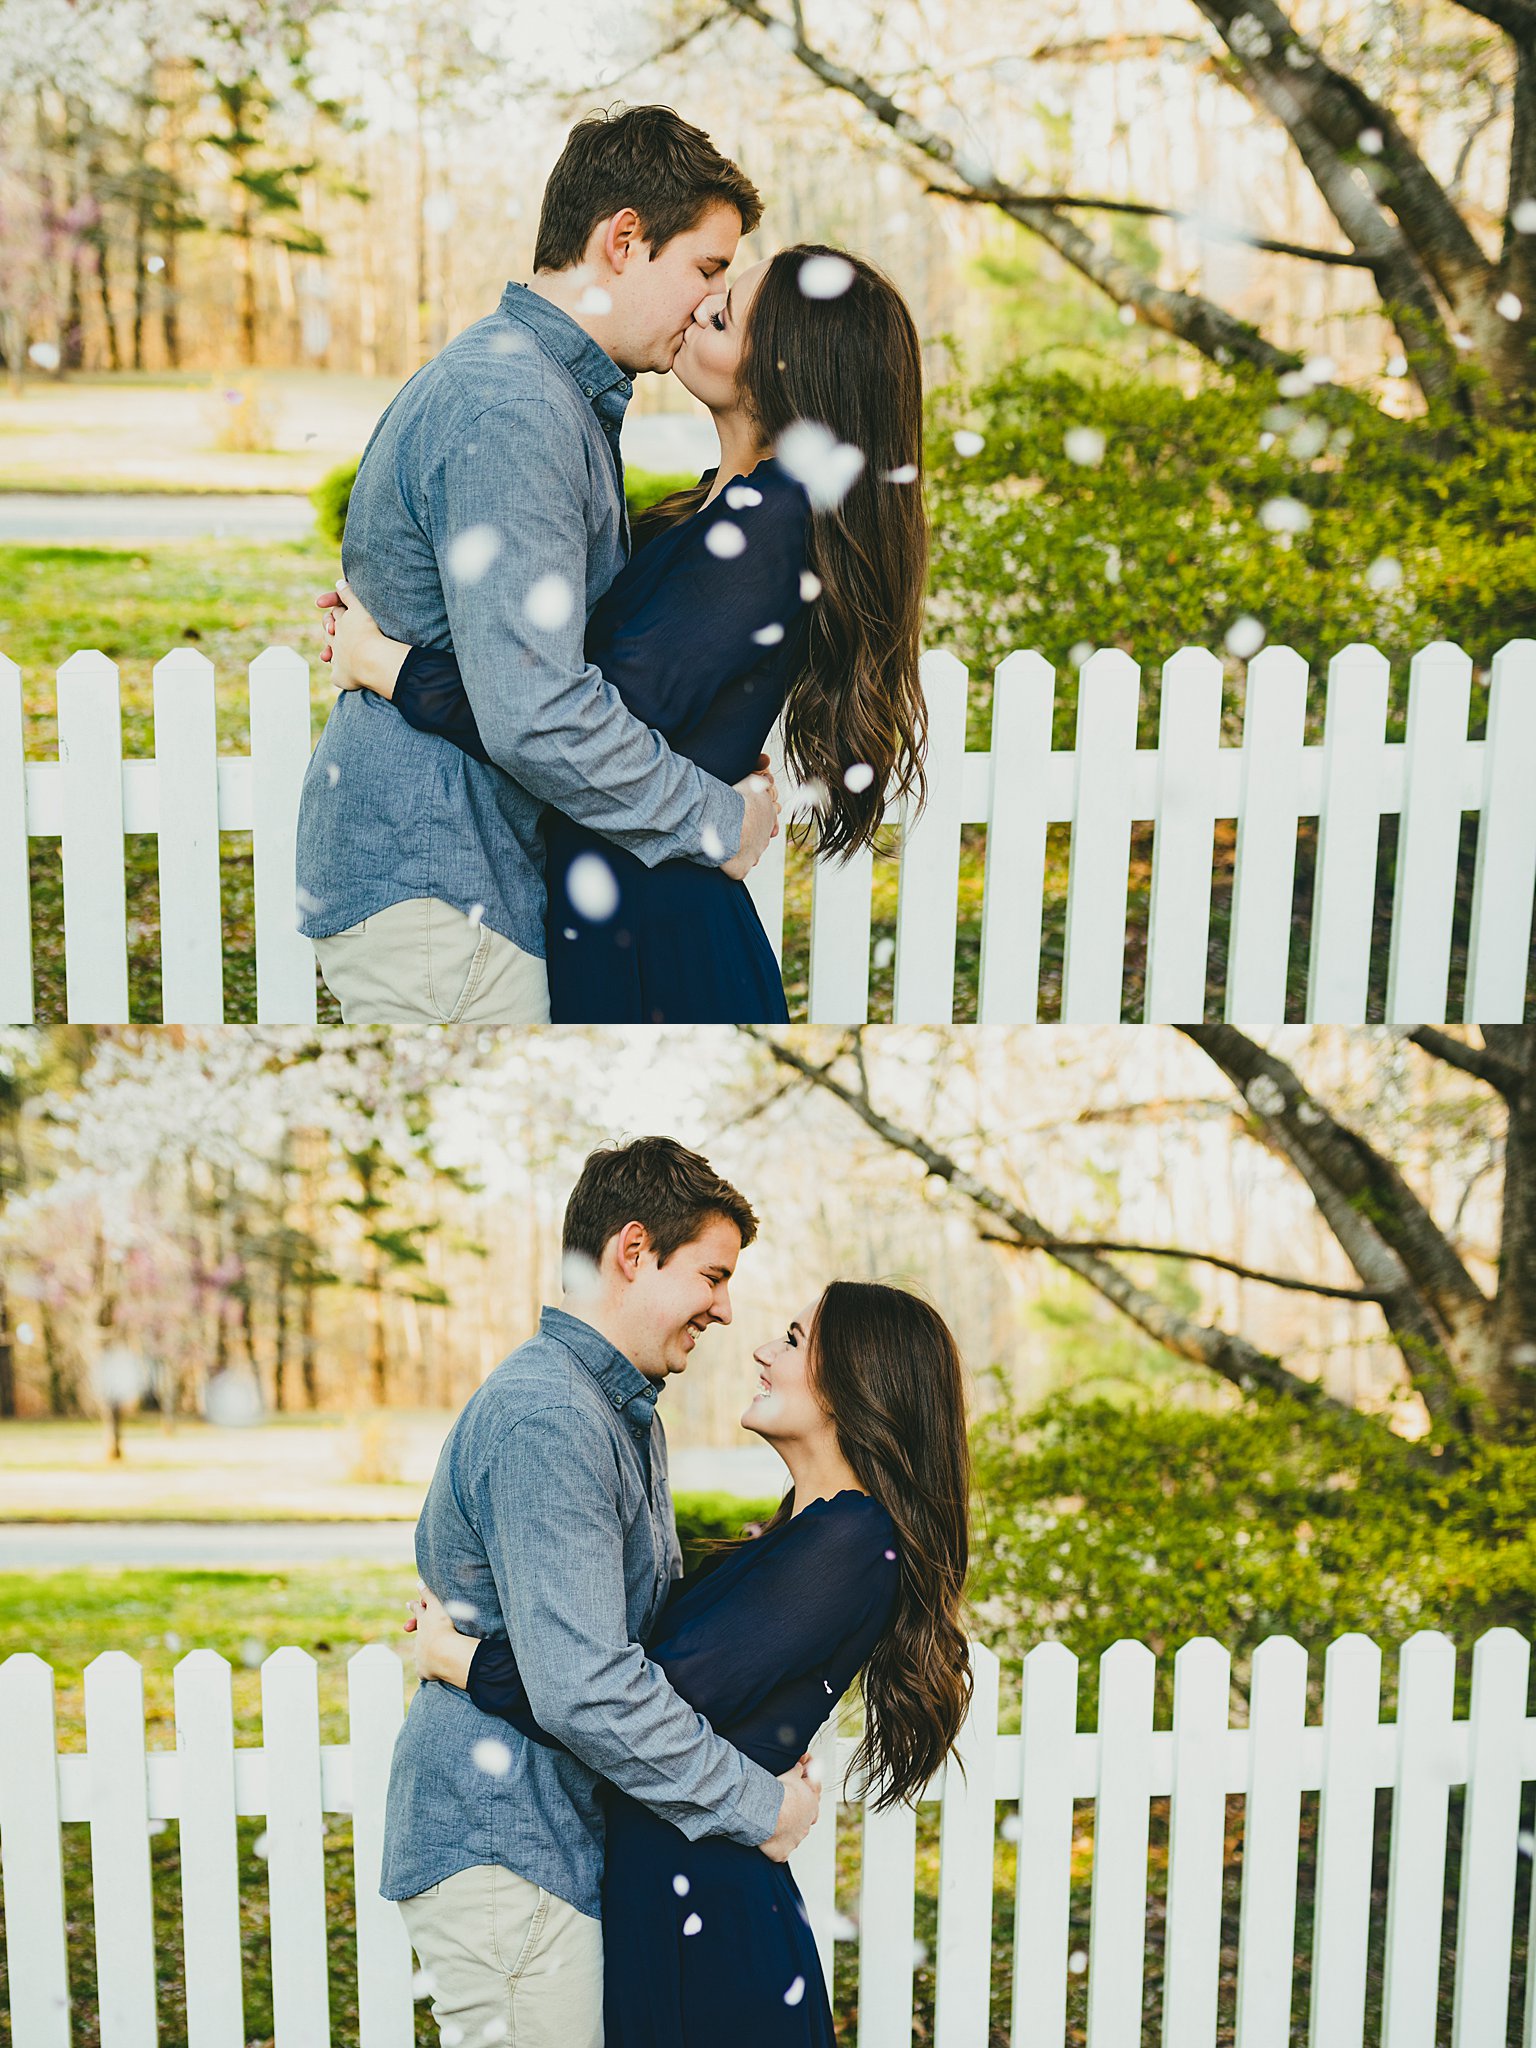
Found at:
(7, 1356)
(307, 1359)
(1514, 1308)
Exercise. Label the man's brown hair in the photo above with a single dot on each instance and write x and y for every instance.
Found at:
(655, 1182)
(645, 157)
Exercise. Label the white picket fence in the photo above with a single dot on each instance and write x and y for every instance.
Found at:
(120, 1791)
(1353, 779)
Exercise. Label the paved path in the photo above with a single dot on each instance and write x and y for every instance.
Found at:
(86, 516)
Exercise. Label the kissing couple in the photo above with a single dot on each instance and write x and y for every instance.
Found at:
(542, 784)
(604, 1771)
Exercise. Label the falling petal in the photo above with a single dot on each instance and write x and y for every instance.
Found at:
(768, 636)
(423, 1984)
(491, 1755)
(310, 905)
(1077, 1962)
(711, 845)
(332, 773)
(594, 300)
(795, 1992)
(1523, 218)
(259, 1846)
(1284, 515)
(681, 1885)
(472, 552)
(810, 587)
(438, 212)
(1371, 140)
(859, 777)
(1085, 446)
(476, 914)
(740, 496)
(1127, 316)
(1245, 636)
(692, 1924)
(1384, 574)
(825, 277)
(1081, 649)
(906, 474)
(590, 884)
(969, 443)
(44, 355)
(579, 1275)
(815, 458)
(725, 539)
(1507, 306)
(549, 603)
(461, 1610)
(253, 1653)
(232, 1399)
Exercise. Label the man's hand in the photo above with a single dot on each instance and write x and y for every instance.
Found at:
(797, 1814)
(760, 822)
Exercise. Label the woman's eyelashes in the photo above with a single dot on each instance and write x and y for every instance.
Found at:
(717, 321)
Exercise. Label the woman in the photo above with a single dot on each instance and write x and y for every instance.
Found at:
(742, 601)
(861, 1569)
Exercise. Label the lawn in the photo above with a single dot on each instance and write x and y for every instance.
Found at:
(232, 598)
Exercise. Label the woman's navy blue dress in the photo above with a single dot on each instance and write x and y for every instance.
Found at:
(706, 1944)
(701, 644)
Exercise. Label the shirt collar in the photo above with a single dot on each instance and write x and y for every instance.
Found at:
(622, 1382)
(597, 375)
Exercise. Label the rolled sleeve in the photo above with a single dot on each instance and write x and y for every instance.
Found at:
(511, 544)
(548, 1510)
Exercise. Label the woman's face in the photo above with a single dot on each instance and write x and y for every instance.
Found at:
(709, 357)
(785, 1408)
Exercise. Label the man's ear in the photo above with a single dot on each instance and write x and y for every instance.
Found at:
(630, 1247)
(622, 237)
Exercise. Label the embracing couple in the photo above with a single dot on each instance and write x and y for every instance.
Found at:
(605, 1769)
(542, 784)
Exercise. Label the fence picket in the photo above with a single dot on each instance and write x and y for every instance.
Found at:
(1093, 969)
(1266, 1945)
(1348, 830)
(967, 1832)
(928, 892)
(840, 921)
(1501, 1662)
(187, 769)
(1043, 1887)
(1183, 845)
(1420, 1803)
(765, 884)
(210, 1868)
(15, 877)
(120, 1868)
(1346, 1820)
(1202, 1677)
(280, 749)
(1270, 806)
(290, 1717)
(887, 1922)
(814, 1863)
(1018, 813)
(1017, 789)
(376, 1709)
(95, 889)
(31, 1856)
(1429, 837)
(1504, 885)
(1118, 1910)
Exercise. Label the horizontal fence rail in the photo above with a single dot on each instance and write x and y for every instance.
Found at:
(120, 1791)
(1272, 784)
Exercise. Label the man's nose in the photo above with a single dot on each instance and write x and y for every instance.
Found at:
(707, 307)
(720, 1307)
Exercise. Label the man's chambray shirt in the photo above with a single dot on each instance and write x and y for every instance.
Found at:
(508, 445)
(550, 1519)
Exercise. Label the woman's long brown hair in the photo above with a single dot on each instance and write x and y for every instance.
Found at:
(886, 1368)
(852, 364)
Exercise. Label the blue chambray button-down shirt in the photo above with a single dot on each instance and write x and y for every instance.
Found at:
(512, 430)
(550, 1518)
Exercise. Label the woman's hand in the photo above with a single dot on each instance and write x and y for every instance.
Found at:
(361, 657)
(440, 1651)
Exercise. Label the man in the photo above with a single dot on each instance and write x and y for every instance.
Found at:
(488, 514)
(549, 1521)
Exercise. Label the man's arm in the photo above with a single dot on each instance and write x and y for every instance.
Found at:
(545, 714)
(547, 1510)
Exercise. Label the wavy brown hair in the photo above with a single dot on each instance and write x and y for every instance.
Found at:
(852, 364)
(886, 1368)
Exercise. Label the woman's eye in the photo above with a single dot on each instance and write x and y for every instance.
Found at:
(789, 1339)
(717, 321)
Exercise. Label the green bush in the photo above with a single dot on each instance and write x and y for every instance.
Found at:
(705, 1518)
(1162, 542)
(1160, 1523)
(333, 493)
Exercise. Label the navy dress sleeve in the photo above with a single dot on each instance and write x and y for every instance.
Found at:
(765, 1642)
(728, 590)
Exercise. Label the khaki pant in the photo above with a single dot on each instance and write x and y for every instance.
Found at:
(509, 1964)
(423, 962)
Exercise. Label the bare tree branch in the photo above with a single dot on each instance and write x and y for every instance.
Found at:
(1388, 1236)
(1230, 1355)
(1217, 230)
(1175, 1251)
(1201, 322)
(1476, 1060)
